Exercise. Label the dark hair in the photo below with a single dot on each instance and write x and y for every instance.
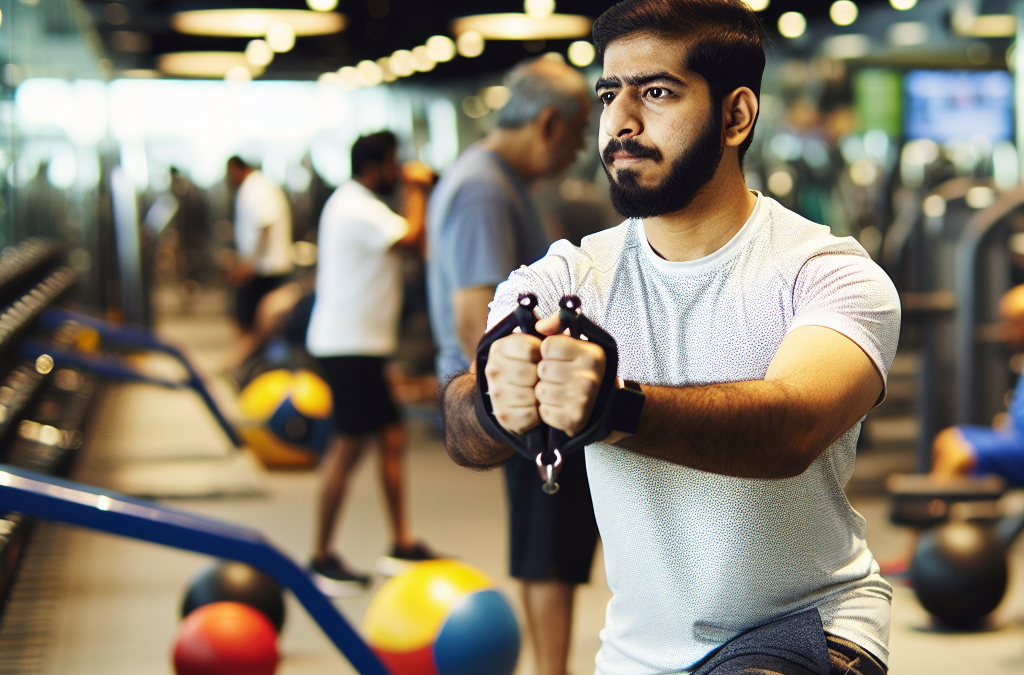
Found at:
(237, 162)
(725, 39)
(372, 148)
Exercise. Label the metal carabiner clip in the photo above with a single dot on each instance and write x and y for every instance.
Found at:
(549, 472)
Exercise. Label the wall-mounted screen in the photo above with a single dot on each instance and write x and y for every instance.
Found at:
(948, 105)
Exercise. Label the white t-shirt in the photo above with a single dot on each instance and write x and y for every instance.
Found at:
(261, 203)
(694, 558)
(358, 276)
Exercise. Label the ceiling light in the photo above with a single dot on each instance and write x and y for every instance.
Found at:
(141, 73)
(496, 97)
(903, 4)
(421, 60)
(349, 77)
(203, 64)
(908, 33)
(322, 5)
(238, 74)
(851, 46)
(401, 63)
(792, 24)
(757, 5)
(441, 48)
(470, 44)
(581, 53)
(370, 74)
(474, 107)
(281, 37)
(539, 9)
(987, 26)
(385, 69)
(255, 22)
(259, 53)
(115, 13)
(843, 12)
(524, 27)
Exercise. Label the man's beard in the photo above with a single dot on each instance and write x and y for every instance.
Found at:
(690, 172)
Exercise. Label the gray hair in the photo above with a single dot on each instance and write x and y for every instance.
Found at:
(538, 84)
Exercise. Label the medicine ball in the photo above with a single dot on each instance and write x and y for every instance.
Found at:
(959, 573)
(442, 617)
(226, 638)
(286, 417)
(231, 581)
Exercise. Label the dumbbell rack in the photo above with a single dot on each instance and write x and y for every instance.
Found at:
(42, 410)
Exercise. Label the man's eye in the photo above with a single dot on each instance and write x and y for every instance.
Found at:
(606, 97)
(656, 92)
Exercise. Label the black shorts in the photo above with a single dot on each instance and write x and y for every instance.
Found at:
(794, 645)
(249, 295)
(552, 537)
(362, 398)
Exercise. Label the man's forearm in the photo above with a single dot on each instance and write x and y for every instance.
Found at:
(757, 429)
(467, 443)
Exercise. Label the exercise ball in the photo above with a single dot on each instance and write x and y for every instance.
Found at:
(442, 617)
(236, 582)
(226, 638)
(286, 417)
(959, 573)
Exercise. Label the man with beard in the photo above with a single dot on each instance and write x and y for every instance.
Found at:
(759, 341)
(481, 225)
(352, 330)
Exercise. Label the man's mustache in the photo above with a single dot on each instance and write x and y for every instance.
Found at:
(631, 146)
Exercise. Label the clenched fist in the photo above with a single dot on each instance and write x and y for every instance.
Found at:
(555, 381)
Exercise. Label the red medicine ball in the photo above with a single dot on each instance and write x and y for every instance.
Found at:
(226, 638)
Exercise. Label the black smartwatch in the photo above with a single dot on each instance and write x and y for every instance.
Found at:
(626, 407)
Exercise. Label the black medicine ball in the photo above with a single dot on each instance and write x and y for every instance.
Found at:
(959, 573)
(236, 582)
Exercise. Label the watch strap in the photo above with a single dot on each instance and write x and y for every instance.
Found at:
(627, 405)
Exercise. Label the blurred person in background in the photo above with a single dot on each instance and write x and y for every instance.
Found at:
(968, 449)
(192, 225)
(482, 225)
(352, 331)
(263, 240)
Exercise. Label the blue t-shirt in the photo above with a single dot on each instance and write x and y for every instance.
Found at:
(481, 225)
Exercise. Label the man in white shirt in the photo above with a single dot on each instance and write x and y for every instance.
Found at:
(353, 329)
(263, 241)
(759, 340)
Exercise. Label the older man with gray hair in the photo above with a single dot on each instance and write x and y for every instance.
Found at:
(482, 225)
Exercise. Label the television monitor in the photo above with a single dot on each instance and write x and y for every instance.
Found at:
(950, 105)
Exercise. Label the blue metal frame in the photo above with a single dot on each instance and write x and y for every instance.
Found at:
(135, 337)
(49, 498)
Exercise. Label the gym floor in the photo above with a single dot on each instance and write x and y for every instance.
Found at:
(91, 604)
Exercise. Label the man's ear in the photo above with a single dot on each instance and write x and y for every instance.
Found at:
(551, 123)
(739, 113)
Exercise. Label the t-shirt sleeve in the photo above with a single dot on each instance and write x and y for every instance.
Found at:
(383, 227)
(268, 204)
(548, 279)
(853, 296)
(481, 236)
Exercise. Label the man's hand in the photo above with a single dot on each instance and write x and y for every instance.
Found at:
(511, 377)
(555, 381)
(241, 273)
(569, 377)
(417, 173)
